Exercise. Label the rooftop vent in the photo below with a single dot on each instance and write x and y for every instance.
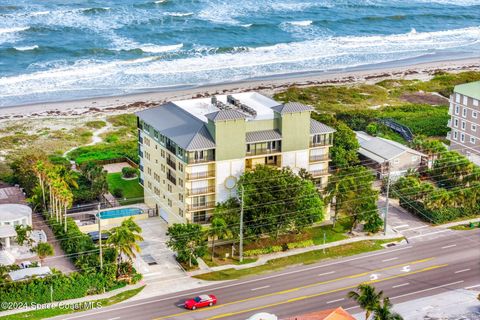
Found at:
(241, 106)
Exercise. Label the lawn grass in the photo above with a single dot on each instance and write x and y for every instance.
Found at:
(299, 259)
(132, 191)
(53, 312)
(467, 226)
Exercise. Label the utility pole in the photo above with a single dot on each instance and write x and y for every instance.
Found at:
(386, 202)
(100, 237)
(241, 223)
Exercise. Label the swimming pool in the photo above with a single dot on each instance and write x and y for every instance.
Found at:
(117, 213)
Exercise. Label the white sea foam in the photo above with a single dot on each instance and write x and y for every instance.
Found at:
(160, 1)
(179, 14)
(248, 25)
(26, 48)
(12, 30)
(300, 23)
(39, 13)
(319, 54)
(152, 48)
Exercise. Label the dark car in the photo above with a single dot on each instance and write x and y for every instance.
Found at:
(204, 300)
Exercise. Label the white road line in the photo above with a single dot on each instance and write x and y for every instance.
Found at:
(114, 318)
(428, 234)
(324, 274)
(416, 228)
(260, 288)
(464, 270)
(333, 301)
(391, 259)
(181, 295)
(179, 305)
(354, 307)
(424, 290)
(471, 287)
(449, 246)
(400, 226)
(401, 285)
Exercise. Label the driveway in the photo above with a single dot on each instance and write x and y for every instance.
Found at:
(408, 225)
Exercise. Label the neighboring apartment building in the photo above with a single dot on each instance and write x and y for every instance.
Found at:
(192, 152)
(386, 156)
(465, 119)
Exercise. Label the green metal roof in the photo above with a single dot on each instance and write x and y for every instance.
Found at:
(471, 89)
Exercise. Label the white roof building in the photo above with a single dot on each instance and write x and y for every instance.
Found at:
(26, 273)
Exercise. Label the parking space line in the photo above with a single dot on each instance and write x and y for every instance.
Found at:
(401, 285)
(464, 270)
(333, 301)
(449, 246)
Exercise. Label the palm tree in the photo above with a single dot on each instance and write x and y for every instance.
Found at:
(367, 298)
(384, 311)
(44, 249)
(125, 239)
(219, 230)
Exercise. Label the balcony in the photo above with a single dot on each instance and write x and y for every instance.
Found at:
(318, 158)
(256, 152)
(200, 191)
(201, 175)
(319, 173)
(172, 163)
(201, 206)
(200, 160)
(172, 178)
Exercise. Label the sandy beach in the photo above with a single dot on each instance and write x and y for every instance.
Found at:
(135, 102)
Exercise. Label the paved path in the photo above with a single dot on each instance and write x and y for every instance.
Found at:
(404, 273)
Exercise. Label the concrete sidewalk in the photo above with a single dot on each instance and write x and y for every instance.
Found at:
(267, 257)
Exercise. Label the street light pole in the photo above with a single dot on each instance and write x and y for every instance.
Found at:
(386, 202)
(241, 223)
(100, 237)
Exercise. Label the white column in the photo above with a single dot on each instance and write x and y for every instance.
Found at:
(7, 242)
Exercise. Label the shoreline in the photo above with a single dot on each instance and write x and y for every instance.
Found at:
(138, 101)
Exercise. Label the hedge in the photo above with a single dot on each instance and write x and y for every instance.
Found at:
(266, 250)
(301, 244)
(439, 216)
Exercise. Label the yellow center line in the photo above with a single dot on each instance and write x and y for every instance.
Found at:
(321, 293)
(296, 289)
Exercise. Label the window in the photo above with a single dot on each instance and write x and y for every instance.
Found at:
(180, 182)
(180, 197)
(455, 123)
(169, 188)
(474, 114)
(162, 153)
(464, 112)
(455, 135)
(169, 203)
(162, 167)
(149, 185)
(465, 100)
(475, 102)
(180, 212)
(457, 98)
(149, 171)
(462, 137)
(464, 125)
(474, 127)
(180, 167)
(155, 134)
(457, 109)
(472, 140)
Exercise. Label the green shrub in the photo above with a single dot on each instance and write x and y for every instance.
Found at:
(129, 172)
(117, 193)
(267, 250)
(301, 244)
(97, 124)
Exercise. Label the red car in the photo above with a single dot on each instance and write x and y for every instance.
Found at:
(201, 301)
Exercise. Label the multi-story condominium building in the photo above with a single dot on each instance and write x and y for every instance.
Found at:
(465, 119)
(192, 152)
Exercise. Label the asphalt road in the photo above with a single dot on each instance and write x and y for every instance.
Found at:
(404, 273)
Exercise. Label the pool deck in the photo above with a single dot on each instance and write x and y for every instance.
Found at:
(112, 222)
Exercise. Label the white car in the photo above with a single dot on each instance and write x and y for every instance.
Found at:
(263, 316)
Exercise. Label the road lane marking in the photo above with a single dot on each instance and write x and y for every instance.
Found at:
(309, 296)
(179, 305)
(391, 259)
(415, 228)
(333, 301)
(299, 288)
(449, 246)
(464, 270)
(324, 274)
(374, 276)
(116, 318)
(260, 288)
(400, 226)
(406, 269)
(472, 287)
(428, 234)
(203, 290)
(401, 285)
(424, 290)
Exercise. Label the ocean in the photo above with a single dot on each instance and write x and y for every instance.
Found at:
(52, 50)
